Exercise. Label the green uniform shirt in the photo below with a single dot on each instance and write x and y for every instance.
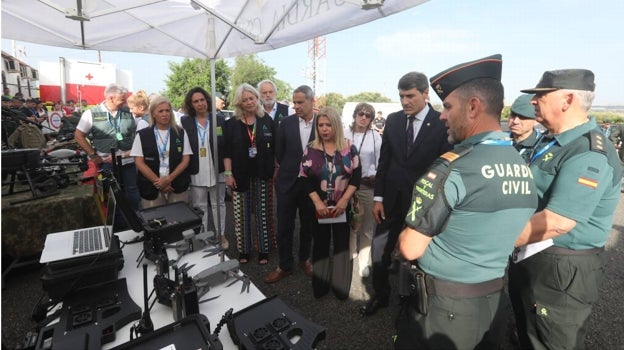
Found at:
(491, 195)
(583, 186)
(525, 146)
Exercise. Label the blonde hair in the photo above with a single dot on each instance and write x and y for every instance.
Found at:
(158, 100)
(336, 124)
(238, 101)
(139, 98)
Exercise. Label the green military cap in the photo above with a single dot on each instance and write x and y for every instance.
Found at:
(6, 98)
(573, 79)
(522, 106)
(448, 80)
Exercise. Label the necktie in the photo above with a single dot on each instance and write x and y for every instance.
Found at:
(410, 131)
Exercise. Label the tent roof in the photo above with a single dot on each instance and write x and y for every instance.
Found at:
(187, 28)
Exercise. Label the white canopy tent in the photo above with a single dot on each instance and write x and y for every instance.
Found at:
(208, 29)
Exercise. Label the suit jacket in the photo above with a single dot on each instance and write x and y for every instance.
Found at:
(397, 170)
(280, 114)
(288, 152)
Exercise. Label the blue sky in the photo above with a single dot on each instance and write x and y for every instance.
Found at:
(532, 35)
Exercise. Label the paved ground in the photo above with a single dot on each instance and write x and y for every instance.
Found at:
(345, 328)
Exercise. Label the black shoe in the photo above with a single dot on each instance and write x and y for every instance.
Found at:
(372, 306)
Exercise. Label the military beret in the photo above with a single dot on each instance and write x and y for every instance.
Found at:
(6, 98)
(522, 106)
(573, 79)
(450, 79)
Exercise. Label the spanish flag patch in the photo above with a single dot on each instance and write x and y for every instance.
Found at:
(588, 182)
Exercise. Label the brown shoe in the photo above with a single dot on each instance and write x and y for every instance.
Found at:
(276, 275)
(306, 266)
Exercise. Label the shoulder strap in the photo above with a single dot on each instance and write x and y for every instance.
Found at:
(451, 156)
(597, 141)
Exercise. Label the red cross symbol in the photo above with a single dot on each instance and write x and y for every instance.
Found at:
(89, 76)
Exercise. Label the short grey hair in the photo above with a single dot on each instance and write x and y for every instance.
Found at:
(586, 98)
(306, 90)
(114, 89)
(267, 81)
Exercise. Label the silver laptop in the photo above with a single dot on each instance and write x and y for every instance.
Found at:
(82, 242)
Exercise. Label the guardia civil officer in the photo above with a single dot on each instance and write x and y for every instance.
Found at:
(110, 125)
(466, 213)
(577, 173)
(522, 125)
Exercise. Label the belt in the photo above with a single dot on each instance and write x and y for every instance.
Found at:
(565, 251)
(466, 290)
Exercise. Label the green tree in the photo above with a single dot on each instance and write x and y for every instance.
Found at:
(195, 72)
(332, 99)
(368, 97)
(249, 69)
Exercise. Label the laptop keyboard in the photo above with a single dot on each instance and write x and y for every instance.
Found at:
(87, 240)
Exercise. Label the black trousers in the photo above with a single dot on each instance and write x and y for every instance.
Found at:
(332, 270)
(287, 206)
(384, 242)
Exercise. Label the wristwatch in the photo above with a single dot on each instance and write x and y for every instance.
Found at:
(93, 155)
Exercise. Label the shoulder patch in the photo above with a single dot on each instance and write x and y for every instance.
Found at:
(429, 210)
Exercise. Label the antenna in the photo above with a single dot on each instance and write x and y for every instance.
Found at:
(145, 325)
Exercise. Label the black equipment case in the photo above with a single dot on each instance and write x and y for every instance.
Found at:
(62, 278)
(191, 332)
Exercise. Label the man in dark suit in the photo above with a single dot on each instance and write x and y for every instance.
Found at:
(268, 95)
(293, 134)
(413, 138)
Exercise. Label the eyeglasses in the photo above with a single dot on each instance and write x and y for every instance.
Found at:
(362, 114)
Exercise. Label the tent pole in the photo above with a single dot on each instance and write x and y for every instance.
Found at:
(215, 145)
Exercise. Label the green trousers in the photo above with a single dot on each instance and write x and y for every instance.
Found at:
(454, 323)
(552, 297)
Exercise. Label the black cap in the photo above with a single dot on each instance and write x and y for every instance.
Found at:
(573, 79)
(450, 79)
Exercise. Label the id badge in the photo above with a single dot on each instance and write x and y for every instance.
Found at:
(202, 152)
(330, 195)
(119, 136)
(253, 151)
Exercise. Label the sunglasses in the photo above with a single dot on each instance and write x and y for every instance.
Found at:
(362, 114)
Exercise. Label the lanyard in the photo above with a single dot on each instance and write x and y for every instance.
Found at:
(165, 143)
(252, 133)
(331, 169)
(117, 120)
(202, 135)
(361, 142)
(542, 150)
(496, 142)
